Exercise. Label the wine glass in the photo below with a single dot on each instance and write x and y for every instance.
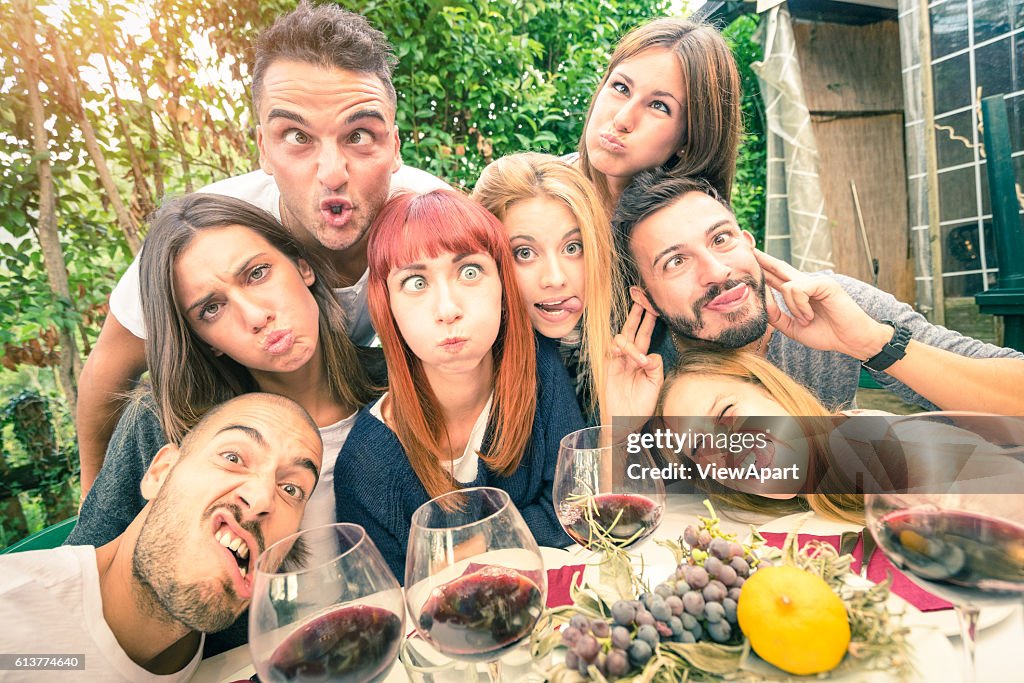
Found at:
(475, 583)
(957, 528)
(604, 491)
(341, 621)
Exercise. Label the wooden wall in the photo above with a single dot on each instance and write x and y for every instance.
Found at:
(851, 79)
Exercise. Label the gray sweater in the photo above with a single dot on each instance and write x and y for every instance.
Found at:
(115, 498)
(832, 376)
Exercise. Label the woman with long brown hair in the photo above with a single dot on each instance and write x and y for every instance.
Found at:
(472, 399)
(670, 98)
(233, 305)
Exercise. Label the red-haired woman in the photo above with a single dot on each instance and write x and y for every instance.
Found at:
(473, 399)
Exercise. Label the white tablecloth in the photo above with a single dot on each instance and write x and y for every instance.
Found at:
(1000, 647)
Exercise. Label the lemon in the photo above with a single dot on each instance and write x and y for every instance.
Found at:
(793, 620)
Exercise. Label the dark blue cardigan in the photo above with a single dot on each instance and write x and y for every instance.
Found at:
(375, 486)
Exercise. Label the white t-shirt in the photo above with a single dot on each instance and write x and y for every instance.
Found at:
(50, 604)
(320, 509)
(260, 190)
(464, 468)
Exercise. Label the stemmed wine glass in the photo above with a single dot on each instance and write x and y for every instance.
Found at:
(604, 491)
(475, 583)
(957, 529)
(340, 621)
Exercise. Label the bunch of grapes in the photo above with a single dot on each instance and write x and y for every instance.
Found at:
(594, 642)
(696, 603)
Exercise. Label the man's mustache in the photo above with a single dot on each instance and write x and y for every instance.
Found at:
(715, 290)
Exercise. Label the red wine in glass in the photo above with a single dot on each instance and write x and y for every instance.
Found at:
(964, 557)
(348, 645)
(624, 518)
(481, 615)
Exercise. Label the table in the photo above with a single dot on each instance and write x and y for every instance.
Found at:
(1000, 649)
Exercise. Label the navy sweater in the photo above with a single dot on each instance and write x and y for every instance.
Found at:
(375, 486)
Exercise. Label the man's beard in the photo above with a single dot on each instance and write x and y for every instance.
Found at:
(206, 606)
(744, 332)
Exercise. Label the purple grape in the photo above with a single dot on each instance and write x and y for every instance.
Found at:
(719, 631)
(645, 618)
(583, 666)
(703, 538)
(739, 582)
(714, 591)
(689, 621)
(735, 549)
(697, 577)
(580, 622)
(719, 548)
(663, 589)
(682, 587)
(587, 648)
(687, 637)
(734, 593)
(572, 660)
(571, 635)
(623, 612)
(730, 609)
(727, 575)
(714, 612)
(621, 637)
(649, 634)
(693, 602)
(740, 566)
(690, 535)
(617, 663)
(712, 565)
(697, 631)
(639, 652)
(600, 628)
(676, 624)
(661, 611)
(675, 604)
(646, 599)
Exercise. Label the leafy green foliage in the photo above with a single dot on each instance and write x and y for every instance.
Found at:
(748, 197)
(477, 81)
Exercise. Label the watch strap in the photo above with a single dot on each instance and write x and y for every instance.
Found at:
(894, 349)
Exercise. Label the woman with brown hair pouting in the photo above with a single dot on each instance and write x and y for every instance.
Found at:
(234, 305)
(670, 98)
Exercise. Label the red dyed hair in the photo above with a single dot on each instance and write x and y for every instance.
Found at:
(413, 226)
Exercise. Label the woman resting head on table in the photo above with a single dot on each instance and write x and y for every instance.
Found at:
(472, 400)
(565, 262)
(741, 391)
(670, 99)
(234, 306)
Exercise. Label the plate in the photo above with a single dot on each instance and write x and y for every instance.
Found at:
(945, 621)
(932, 655)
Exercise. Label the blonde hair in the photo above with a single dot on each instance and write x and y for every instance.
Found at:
(711, 85)
(798, 402)
(529, 175)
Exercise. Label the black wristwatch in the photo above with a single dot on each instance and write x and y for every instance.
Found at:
(893, 351)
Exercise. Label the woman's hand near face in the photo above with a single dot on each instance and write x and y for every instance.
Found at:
(635, 377)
